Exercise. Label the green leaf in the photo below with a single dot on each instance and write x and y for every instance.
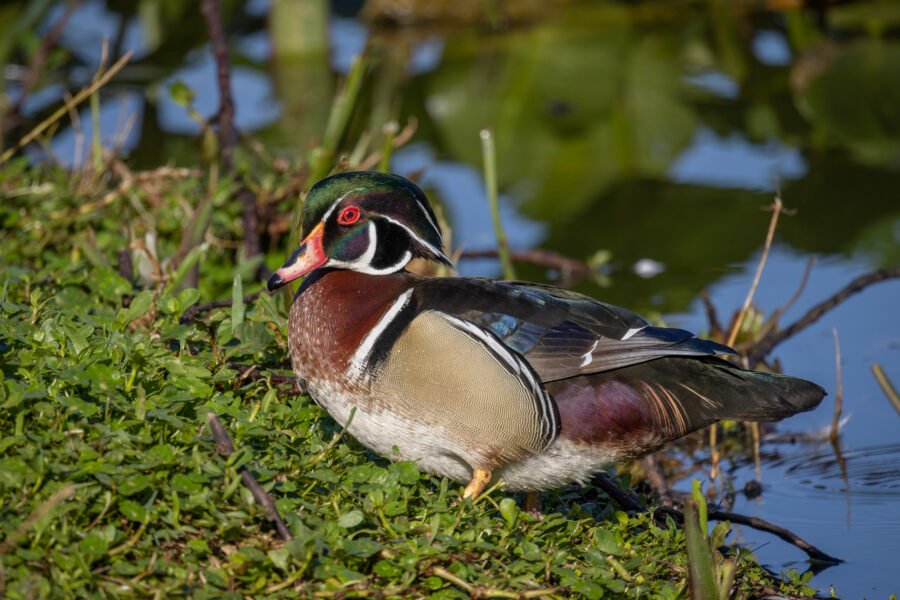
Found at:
(181, 93)
(280, 557)
(237, 302)
(186, 484)
(77, 336)
(184, 267)
(361, 547)
(701, 572)
(94, 545)
(170, 304)
(509, 511)
(700, 502)
(407, 472)
(109, 284)
(139, 306)
(134, 484)
(387, 569)
(607, 542)
(188, 297)
(133, 511)
(199, 546)
(350, 519)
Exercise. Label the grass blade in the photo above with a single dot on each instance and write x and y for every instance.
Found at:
(237, 302)
(701, 571)
(490, 181)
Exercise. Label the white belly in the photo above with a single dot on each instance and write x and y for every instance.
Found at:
(403, 439)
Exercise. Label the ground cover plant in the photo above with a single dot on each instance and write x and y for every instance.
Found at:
(110, 482)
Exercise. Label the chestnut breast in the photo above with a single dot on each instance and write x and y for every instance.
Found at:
(332, 315)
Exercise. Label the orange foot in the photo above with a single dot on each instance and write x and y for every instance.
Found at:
(480, 478)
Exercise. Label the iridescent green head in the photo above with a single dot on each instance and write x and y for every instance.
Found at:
(373, 223)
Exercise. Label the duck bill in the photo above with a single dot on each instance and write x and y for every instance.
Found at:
(308, 256)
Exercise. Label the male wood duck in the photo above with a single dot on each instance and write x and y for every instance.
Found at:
(480, 380)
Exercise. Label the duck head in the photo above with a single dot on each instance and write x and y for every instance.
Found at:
(373, 223)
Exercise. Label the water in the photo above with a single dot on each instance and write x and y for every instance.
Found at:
(652, 133)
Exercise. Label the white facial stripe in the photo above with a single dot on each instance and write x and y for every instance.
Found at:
(360, 357)
(336, 202)
(437, 229)
(369, 254)
(369, 269)
(363, 264)
(412, 234)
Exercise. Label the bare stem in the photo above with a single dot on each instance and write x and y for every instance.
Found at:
(839, 391)
(490, 181)
(225, 447)
(628, 501)
(212, 14)
(773, 223)
(39, 59)
(80, 97)
(196, 309)
(549, 259)
(768, 343)
(885, 384)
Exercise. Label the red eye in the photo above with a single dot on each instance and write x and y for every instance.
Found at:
(348, 216)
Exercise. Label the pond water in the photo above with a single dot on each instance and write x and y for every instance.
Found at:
(652, 132)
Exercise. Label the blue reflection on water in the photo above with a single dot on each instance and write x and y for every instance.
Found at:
(716, 82)
(348, 40)
(255, 103)
(89, 25)
(771, 48)
(462, 190)
(734, 162)
(804, 490)
(120, 125)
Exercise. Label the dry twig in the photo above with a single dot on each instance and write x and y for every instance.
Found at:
(732, 336)
(36, 65)
(772, 322)
(886, 386)
(226, 448)
(628, 501)
(768, 343)
(838, 393)
(192, 312)
(228, 135)
(773, 223)
(212, 14)
(80, 97)
(477, 591)
(569, 267)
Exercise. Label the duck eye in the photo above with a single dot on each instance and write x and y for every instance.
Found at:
(348, 216)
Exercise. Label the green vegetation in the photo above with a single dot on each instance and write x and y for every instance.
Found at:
(111, 486)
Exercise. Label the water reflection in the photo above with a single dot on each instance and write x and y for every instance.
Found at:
(870, 470)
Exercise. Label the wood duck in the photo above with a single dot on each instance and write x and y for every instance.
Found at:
(480, 380)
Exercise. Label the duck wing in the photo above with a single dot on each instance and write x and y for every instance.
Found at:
(560, 333)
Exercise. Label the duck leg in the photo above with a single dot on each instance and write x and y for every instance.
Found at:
(533, 503)
(480, 478)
